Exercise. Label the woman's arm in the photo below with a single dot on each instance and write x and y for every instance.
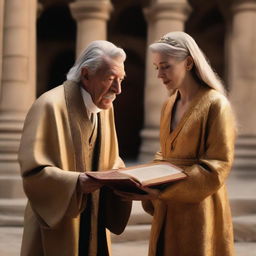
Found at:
(206, 177)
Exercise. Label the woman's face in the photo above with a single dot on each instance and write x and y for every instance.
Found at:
(173, 72)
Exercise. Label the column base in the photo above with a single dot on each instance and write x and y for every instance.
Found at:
(12, 212)
(150, 144)
(12, 197)
(245, 153)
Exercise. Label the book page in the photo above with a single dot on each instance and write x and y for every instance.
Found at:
(151, 172)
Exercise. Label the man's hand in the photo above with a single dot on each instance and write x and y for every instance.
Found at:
(87, 184)
(151, 195)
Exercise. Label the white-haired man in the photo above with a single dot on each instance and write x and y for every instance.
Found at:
(70, 130)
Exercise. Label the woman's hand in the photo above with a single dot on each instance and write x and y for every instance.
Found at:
(88, 185)
(127, 196)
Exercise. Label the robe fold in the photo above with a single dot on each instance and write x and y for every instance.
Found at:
(54, 150)
(192, 217)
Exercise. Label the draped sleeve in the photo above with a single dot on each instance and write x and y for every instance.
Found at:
(47, 162)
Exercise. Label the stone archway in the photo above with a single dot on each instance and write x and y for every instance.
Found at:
(206, 25)
(127, 28)
(56, 36)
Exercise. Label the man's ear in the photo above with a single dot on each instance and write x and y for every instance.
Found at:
(84, 74)
(189, 63)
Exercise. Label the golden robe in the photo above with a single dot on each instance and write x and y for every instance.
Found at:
(192, 217)
(54, 150)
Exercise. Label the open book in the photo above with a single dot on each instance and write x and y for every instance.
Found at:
(134, 178)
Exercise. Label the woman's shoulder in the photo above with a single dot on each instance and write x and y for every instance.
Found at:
(218, 104)
(216, 98)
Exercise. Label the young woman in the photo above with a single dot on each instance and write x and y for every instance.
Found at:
(192, 217)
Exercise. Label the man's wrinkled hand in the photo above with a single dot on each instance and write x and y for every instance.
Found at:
(87, 184)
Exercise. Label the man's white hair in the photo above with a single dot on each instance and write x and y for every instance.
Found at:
(180, 45)
(93, 56)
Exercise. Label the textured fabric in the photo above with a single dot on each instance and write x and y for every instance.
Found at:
(54, 150)
(192, 216)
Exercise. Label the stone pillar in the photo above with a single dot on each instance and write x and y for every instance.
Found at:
(91, 17)
(163, 16)
(39, 10)
(16, 96)
(242, 79)
(1, 35)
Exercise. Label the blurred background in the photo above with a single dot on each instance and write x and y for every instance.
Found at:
(126, 26)
(39, 41)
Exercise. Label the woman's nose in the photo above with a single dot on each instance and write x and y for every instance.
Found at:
(160, 74)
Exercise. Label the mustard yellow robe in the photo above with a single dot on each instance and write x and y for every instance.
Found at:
(192, 217)
(54, 149)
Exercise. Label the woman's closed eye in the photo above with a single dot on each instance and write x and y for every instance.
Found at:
(162, 67)
(165, 67)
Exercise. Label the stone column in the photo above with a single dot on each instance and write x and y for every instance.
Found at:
(163, 16)
(242, 79)
(16, 96)
(91, 17)
(1, 34)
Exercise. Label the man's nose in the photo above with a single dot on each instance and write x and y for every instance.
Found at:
(117, 86)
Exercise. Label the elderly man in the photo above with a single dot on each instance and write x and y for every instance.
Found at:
(70, 130)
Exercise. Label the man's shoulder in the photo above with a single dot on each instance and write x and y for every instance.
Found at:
(52, 96)
(50, 100)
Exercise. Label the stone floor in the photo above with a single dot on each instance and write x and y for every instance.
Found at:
(139, 248)
(240, 186)
(10, 239)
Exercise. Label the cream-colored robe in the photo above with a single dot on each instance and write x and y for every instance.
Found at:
(54, 149)
(192, 216)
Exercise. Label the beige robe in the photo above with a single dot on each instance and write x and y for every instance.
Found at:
(54, 150)
(192, 217)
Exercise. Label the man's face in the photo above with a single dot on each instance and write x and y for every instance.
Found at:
(105, 83)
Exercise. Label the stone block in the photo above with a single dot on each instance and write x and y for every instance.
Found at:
(245, 228)
(11, 186)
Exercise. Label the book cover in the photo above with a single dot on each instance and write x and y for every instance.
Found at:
(134, 178)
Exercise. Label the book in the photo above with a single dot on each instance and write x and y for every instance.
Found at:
(134, 178)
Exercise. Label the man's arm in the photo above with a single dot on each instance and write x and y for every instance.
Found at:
(86, 184)
(46, 159)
